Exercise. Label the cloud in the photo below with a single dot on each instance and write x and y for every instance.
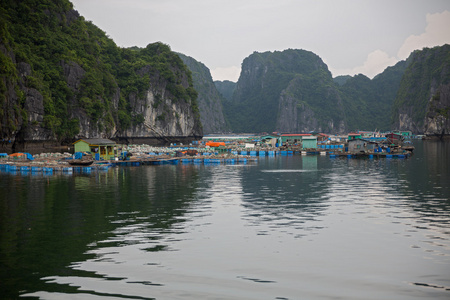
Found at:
(436, 33)
(374, 64)
(226, 73)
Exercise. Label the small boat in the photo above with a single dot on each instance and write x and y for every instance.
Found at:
(80, 162)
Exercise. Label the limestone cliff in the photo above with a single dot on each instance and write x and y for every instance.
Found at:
(225, 88)
(437, 120)
(288, 91)
(423, 101)
(209, 100)
(65, 79)
(293, 91)
(302, 106)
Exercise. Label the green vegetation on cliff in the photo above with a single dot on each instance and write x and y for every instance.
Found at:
(428, 69)
(368, 103)
(209, 99)
(74, 65)
(226, 88)
(293, 91)
(254, 107)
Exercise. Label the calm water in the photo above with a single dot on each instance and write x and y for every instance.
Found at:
(297, 227)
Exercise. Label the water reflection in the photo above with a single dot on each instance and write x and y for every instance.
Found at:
(138, 257)
(288, 196)
(290, 227)
(49, 222)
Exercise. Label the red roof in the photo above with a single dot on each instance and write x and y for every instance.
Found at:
(296, 134)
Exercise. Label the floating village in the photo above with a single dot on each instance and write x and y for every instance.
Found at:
(90, 155)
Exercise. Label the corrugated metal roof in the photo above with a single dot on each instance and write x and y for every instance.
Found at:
(296, 134)
(97, 141)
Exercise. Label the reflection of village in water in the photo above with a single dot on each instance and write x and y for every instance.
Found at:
(146, 223)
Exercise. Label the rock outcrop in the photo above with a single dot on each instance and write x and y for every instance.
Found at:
(65, 80)
(423, 101)
(289, 91)
(209, 99)
(437, 120)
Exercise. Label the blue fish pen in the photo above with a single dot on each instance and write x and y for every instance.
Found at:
(36, 169)
(230, 161)
(67, 170)
(242, 160)
(47, 170)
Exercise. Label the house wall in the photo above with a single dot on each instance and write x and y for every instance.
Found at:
(82, 146)
(356, 146)
(309, 144)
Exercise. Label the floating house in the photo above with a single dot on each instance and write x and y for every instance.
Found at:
(309, 142)
(293, 138)
(354, 136)
(359, 146)
(273, 140)
(394, 138)
(99, 148)
(338, 138)
(322, 137)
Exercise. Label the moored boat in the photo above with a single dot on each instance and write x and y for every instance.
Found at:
(80, 162)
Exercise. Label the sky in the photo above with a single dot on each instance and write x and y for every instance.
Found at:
(350, 36)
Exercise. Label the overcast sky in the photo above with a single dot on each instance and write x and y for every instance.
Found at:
(351, 36)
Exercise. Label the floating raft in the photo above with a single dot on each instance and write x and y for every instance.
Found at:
(51, 169)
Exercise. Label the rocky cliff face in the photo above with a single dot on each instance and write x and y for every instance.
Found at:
(81, 85)
(289, 91)
(163, 118)
(299, 112)
(437, 120)
(209, 100)
(293, 91)
(225, 88)
(22, 107)
(423, 101)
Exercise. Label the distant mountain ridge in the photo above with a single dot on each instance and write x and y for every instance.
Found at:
(293, 91)
(226, 88)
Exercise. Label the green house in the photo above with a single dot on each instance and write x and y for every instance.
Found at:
(293, 138)
(99, 148)
(354, 136)
(309, 142)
